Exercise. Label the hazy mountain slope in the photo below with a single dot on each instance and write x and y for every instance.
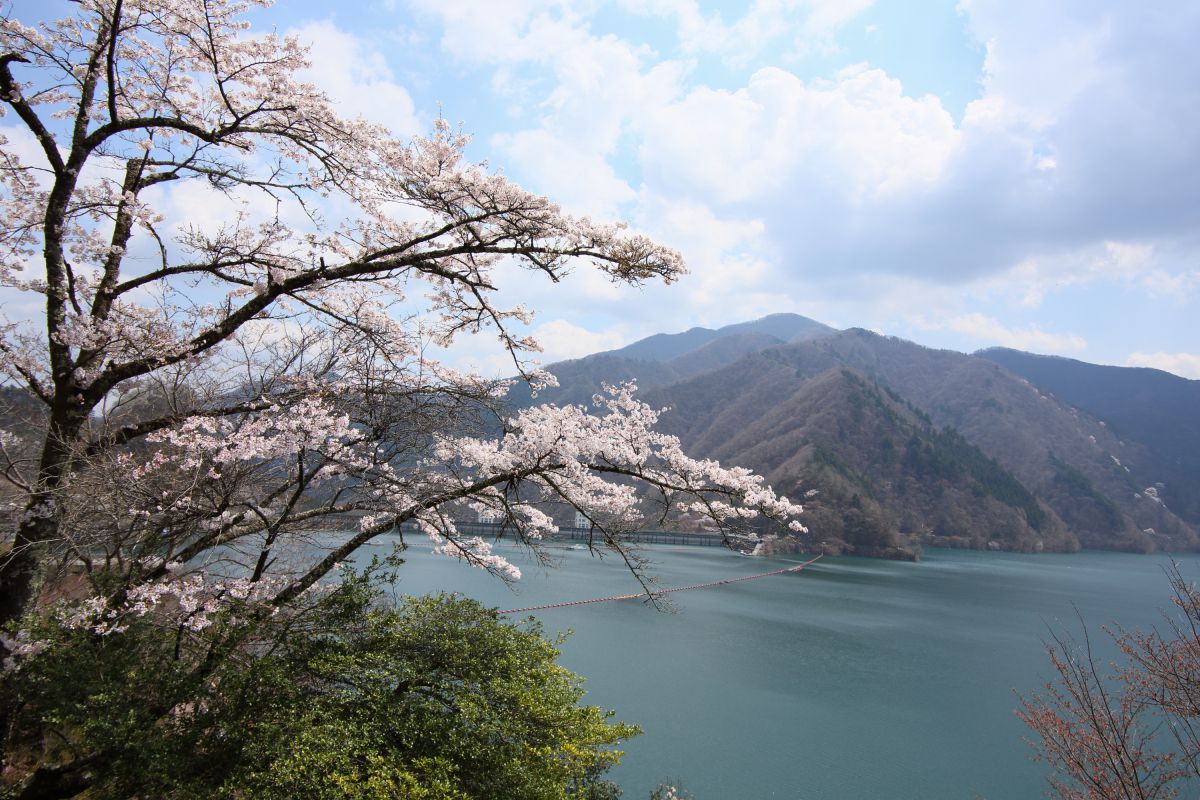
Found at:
(885, 477)
(718, 353)
(1064, 455)
(788, 327)
(666, 358)
(666, 346)
(580, 379)
(903, 441)
(1155, 408)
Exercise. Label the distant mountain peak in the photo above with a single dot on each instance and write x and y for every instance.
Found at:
(907, 443)
(784, 326)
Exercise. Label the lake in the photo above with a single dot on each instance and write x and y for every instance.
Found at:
(855, 678)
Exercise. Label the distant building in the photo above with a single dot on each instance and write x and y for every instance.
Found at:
(581, 520)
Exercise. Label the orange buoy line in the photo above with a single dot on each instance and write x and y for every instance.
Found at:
(709, 585)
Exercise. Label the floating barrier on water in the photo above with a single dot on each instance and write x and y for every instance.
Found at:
(647, 595)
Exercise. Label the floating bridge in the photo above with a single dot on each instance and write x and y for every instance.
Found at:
(495, 530)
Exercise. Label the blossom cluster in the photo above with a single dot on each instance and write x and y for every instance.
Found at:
(273, 432)
(477, 552)
(567, 453)
(216, 382)
(191, 601)
(20, 646)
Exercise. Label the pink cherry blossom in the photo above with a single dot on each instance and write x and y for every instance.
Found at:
(215, 389)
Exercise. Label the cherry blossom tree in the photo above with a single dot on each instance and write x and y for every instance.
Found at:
(216, 396)
(229, 389)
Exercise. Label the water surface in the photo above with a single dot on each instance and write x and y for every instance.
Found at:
(853, 679)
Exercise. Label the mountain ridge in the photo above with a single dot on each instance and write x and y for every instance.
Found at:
(666, 346)
(907, 445)
(669, 357)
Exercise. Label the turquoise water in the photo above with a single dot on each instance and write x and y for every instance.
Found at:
(853, 679)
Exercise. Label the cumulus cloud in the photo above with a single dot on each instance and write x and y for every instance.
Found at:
(848, 141)
(357, 78)
(1072, 167)
(580, 94)
(578, 178)
(1081, 138)
(1132, 264)
(484, 30)
(1186, 365)
(992, 332)
(805, 25)
(601, 90)
(562, 340)
(1178, 286)
(723, 252)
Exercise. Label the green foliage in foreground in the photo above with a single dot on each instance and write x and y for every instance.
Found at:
(435, 698)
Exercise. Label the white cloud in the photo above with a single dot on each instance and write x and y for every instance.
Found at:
(1073, 167)
(724, 255)
(357, 78)
(1186, 365)
(580, 94)
(1177, 286)
(1100, 91)
(561, 340)
(827, 16)
(1158, 270)
(485, 30)
(990, 331)
(806, 25)
(847, 141)
(1040, 59)
(1081, 139)
(579, 179)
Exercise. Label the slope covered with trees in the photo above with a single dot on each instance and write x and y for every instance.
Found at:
(878, 477)
(926, 445)
(1032, 434)
(1152, 407)
(664, 358)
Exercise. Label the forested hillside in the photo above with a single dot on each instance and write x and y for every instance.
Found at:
(1155, 408)
(665, 358)
(895, 445)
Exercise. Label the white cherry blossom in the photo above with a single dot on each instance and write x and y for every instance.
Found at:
(214, 389)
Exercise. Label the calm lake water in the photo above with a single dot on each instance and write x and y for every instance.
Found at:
(853, 679)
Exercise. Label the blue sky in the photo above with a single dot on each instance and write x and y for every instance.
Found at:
(987, 172)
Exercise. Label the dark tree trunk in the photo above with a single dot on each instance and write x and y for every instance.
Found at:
(39, 524)
(37, 528)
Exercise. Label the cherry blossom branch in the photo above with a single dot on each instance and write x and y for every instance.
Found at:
(42, 392)
(256, 378)
(352, 544)
(111, 61)
(128, 433)
(11, 94)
